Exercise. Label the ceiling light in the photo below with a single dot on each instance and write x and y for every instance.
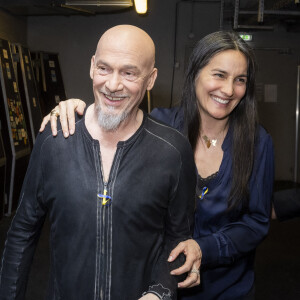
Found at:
(140, 6)
(125, 3)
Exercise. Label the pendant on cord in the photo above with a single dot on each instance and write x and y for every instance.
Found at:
(209, 142)
(204, 191)
(106, 200)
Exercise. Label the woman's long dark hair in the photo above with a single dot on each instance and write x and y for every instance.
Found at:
(242, 120)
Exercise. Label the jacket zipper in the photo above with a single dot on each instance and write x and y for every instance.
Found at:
(105, 202)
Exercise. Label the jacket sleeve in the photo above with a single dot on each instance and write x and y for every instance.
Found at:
(178, 227)
(24, 232)
(237, 238)
(287, 204)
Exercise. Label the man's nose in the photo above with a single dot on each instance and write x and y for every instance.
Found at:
(114, 83)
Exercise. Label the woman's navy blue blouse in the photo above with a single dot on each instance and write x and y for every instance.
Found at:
(228, 240)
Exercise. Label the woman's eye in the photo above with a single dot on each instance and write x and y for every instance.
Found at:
(241, 80)
(220, 75)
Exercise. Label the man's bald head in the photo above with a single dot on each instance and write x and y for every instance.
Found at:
(122, 69)
(132, 39)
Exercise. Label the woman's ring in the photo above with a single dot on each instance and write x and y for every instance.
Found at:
(196, 271)
(54, 112)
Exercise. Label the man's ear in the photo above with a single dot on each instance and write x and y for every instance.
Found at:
(92, 67)
(152, 79)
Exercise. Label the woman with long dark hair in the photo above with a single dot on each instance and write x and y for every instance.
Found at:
(234, 158)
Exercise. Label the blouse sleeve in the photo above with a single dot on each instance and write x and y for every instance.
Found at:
(237, 238)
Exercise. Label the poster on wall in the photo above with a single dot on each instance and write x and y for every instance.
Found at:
(49, 78)
(28, 89)
(13, 128)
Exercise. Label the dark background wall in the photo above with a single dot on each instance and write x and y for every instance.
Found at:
(277, 51)
(175, 26)
(75, 39)
(13, 28)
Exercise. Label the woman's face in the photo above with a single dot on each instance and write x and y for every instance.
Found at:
(221, 84)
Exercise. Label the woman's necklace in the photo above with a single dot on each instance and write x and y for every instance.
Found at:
(213, 142)
(209, 142)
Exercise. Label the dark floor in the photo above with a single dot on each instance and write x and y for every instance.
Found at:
(38, 277)
(277, 263)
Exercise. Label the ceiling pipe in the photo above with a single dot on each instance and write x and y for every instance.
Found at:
(260, 14)
(236, 14)
(297, 127)
(271, 12)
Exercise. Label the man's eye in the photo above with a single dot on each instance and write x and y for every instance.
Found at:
(130, 76)
(102, 70)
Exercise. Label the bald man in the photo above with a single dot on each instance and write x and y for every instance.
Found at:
(119, 193)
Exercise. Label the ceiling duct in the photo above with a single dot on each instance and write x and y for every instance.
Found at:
(94, 7)
(63, 7)
(122, 3)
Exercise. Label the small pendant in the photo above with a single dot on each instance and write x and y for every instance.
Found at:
(106, 200)
(204, 191)
(214, 142)
(207, 141)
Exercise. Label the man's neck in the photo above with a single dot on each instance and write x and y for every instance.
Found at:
(111, 138)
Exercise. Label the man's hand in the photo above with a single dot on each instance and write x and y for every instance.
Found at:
(66, 111)
(149, 296)
(192, 251)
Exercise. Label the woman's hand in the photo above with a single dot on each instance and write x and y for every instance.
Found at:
(193, 253)
(66, 111)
